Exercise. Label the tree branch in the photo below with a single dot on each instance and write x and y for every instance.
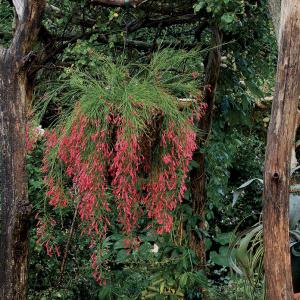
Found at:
(211, 80)
(159, 6)
(198, 178)
(53, 9)
(162, 22)
(55, 45)
(30, 14)
(132, 3)
(63, 264)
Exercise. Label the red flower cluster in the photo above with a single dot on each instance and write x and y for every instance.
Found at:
(85, 155)
(124, 170)
(105, 171)
(167, 186)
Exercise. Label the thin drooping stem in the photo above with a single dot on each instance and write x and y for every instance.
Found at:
(64, 261)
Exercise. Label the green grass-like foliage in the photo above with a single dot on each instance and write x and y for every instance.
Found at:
(142, 88)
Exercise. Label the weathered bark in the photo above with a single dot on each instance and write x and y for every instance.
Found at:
(14, 99)
(13, 185)
(275, 7)
(198, 178)
(278, 156)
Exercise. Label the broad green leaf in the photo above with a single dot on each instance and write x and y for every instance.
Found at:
(224, 238)
(221, 258)
(208, 244)
(122, 255)
(183, 279)
(227, 18)
(199, 6)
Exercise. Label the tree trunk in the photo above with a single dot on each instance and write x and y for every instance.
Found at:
(198, 179)
(278, 156)
(14, 99)
(15, 208)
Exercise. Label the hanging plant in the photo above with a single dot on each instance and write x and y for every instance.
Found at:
(122, 154)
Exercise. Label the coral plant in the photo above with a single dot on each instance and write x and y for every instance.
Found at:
(105, 160)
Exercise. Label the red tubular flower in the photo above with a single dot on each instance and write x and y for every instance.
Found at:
(124, 169)
(102, 158)
(166, 188)
(85, 168)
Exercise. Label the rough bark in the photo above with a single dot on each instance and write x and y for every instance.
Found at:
(14, 202)
(198, 178)
(278, 156)
(14, 100)
(275, 7)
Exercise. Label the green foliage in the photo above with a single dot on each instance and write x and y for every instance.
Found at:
(230, 158)
(234, 151)
(6, 21)
(238, 289)
(44, 271)
(226, 13)
(152, 87)
(220, 258)
(162, 271)
(158, 267)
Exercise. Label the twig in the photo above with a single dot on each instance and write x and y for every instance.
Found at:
(63, 264)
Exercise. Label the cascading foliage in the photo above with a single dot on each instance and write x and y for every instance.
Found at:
(121, 156)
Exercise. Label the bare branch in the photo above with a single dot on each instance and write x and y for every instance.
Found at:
(159, 6)
(162, 22)
(185, 102)
(54, 10)
(50, 7)
(132, 3)
(63, 264)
